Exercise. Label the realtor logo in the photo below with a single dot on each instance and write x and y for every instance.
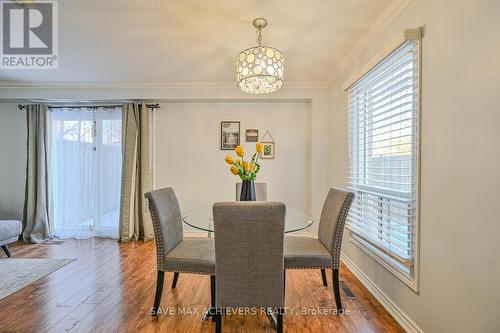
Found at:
(29, 35)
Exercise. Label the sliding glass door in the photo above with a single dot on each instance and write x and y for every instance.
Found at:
(85, 171)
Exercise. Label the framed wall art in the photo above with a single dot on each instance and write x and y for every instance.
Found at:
(252, 135)
(229, 135)
(268, 146)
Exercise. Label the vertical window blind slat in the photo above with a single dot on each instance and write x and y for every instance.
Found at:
(383, 155)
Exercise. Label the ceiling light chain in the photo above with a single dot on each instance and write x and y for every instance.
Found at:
(259, 36)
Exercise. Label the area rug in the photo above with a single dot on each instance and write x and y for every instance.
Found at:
(18, 273)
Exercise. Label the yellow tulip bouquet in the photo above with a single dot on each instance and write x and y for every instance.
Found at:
(245, 169)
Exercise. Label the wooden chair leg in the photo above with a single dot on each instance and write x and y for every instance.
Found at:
(159, 290)
(336, 289)
(323, 276)
(6, 250)
(218, 321)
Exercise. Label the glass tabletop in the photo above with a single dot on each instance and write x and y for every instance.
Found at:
(202, 219)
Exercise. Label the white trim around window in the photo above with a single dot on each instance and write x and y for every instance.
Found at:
(384, 157)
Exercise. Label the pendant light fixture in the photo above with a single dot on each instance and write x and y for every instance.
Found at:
(260, 69)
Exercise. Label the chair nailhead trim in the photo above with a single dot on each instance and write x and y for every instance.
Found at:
(184, 271)
(160, 253)
(309, 267)
(337, 243)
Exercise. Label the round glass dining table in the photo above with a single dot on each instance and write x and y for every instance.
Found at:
(202, 219)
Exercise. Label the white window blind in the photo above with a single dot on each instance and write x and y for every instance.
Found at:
(383, 129)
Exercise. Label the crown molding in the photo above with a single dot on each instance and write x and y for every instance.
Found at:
(52, 92)
(408, 34)
(387, 17)
(72, 85)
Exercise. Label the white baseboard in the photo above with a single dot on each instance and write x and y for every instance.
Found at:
(401, 317)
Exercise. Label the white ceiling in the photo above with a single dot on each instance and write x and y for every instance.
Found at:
(175, 42)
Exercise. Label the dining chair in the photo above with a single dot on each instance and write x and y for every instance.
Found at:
(173, 252)
(249, 267)
(323, 252)
(260, 191)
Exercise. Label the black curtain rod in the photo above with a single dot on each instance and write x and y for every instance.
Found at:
(152, 106)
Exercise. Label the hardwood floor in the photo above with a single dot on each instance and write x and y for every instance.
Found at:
(110, 288)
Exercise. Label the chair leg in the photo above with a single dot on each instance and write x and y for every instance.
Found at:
(336, 289)
(174, 281)
(323, 276)
(159, 290)
(279, 321)
(218, 321)
(212, 296)
(281, 311)
(6, 250)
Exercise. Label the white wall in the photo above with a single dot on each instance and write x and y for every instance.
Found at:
(460, 220)
(312, 98)
(188, 157)
(12, 161)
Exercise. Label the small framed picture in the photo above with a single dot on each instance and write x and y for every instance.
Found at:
(252, 135)
(229, 134)
(267, 150)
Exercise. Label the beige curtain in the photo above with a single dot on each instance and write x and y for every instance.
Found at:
(135, 220)
(36, 203)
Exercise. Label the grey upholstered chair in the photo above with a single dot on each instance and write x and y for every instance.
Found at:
(323, 252)
(249, 257)
(260, 191)
(174, 253)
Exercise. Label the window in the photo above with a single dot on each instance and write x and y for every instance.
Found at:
(383, 152)
(85, 171)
